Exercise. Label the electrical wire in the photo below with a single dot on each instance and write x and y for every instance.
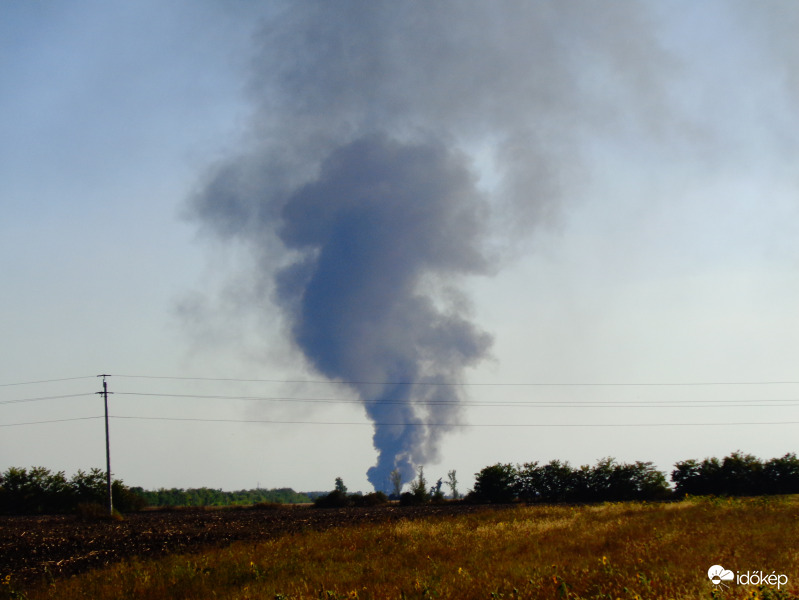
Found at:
(759, 403)
(44, 398)
(47, 380)
(419, 383)
(500, 404)
(464, 384)
(453, 425)
(50, 421)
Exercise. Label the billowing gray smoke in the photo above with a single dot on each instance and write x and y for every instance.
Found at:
(379, 218)
(393, 144)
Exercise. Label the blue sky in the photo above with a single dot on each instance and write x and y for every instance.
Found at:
(656, 243)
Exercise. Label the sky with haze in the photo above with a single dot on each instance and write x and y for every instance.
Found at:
(311, 240)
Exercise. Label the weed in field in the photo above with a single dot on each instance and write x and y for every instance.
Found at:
(7, 590)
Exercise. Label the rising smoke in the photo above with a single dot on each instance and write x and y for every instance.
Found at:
(379, 218)
(396, 147)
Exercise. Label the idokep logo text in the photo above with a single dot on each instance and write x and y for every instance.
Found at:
(718, 575)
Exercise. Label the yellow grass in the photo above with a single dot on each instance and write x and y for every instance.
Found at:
(609, 551)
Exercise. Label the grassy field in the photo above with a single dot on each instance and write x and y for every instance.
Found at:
(630, 550)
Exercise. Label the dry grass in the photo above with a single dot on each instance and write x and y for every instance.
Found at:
(609, 551)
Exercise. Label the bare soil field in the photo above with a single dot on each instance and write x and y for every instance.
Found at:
(32, 547)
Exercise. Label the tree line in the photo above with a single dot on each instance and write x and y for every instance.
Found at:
(216, 497)
(38, 490)
(558, 481)
(735, 475)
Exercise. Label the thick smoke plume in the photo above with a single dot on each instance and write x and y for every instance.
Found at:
(379, 218)
(396, 147)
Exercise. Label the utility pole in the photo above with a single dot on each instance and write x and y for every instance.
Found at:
(107, 447)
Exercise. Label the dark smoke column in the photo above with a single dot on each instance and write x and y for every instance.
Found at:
(354, 195)
(381, 222)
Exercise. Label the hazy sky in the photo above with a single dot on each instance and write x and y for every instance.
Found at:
(598, 194)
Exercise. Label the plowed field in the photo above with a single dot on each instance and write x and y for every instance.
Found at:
(55, 546)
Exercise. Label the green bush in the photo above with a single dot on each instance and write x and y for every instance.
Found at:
(409, 499)
(419, 488)
(495, 484)
(216, 497)
(38, 490)
(371, 499)
(335, 499)
(736, 475)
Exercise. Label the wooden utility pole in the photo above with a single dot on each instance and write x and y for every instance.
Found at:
(107, 447)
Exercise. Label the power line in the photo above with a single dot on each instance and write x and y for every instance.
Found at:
(467, 384)
(47, 381)
(254, 398)
(369, 423)
(501, 404)
(43, 398)
(764, 402)
(51, 421)
(424, 383)
(454, 425)
(546, 404)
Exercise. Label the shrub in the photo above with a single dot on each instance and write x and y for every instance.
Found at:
(436, 493)
(419, 489)
(37, 490)
(335, 499)
(126, 499)
(89, 487)
(34, 491)
(781, 475)
(408, 499)
(374, 499)
(495, 484)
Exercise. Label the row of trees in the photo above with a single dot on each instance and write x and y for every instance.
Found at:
(558, 481)
(419, 486)
(608, 480)
(735, 475)
(216, 497)
(38, 490)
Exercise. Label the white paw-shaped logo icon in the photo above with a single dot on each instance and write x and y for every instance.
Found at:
(719, 574)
